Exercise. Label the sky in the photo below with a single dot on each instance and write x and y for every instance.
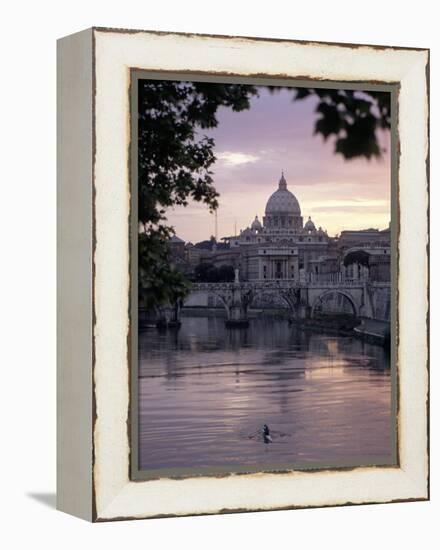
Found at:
(253, 147)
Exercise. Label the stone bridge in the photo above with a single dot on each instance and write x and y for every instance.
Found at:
(303, 300)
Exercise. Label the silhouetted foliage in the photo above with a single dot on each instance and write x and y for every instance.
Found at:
(208, 273)
(206, 245)
(357, 257)
(210, 244)
(159, 282)
(174, 160)
(226, 273)
(174, 157)
(352, 118)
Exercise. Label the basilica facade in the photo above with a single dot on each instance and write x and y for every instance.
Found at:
(279, 247)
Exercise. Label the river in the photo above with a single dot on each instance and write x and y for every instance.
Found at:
(206, 391)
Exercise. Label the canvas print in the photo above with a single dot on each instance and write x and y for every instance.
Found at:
(264, 275)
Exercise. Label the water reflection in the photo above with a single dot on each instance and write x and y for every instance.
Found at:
(204, 390)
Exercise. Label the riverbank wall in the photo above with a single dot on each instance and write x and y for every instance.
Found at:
(368, 330)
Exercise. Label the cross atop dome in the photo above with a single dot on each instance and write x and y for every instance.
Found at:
(282, 183)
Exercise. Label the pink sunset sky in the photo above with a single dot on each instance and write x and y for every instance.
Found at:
(276, 133)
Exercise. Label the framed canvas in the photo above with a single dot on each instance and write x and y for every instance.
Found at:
(242, 274)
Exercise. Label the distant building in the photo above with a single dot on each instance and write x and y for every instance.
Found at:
(192, 254)
(349, 238)
(282, 246)
(177, 247)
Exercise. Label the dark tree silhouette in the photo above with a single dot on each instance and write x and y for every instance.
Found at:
(352, 118)
(208, 273)
(174, 160)
(357, 257)
(174, 157)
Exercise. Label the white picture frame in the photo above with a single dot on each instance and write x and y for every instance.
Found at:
(94, 68)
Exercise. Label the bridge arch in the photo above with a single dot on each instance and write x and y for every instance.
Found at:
(206, 293)
(276, 292)
(319, 299)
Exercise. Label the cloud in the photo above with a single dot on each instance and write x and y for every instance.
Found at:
(235, 158)
(359, 209)
(328, 204)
